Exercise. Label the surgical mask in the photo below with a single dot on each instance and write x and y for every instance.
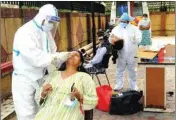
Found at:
(69, 103)
(123, 25)
(145, 18)
(47, 27)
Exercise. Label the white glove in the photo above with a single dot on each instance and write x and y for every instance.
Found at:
(59, 58)
(51, 68)
(88, 65)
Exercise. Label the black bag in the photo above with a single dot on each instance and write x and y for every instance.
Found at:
(127, 103)
(88, 114)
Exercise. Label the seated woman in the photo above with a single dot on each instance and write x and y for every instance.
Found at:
(103, 53)
(62, 104)
(104, 48)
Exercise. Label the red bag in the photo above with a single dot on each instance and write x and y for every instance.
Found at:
(161, 55)
(104, 94)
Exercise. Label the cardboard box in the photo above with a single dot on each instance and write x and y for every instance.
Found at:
(146, 54)
(170, 51)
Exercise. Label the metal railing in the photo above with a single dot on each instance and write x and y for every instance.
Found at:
(162, 6)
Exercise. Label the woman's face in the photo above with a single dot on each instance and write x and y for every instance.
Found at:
(75, 59)
(144, 17)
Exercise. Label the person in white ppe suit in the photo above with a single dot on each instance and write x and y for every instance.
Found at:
(126, 56)
(34, 50)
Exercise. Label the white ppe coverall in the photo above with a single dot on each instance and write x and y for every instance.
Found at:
(33, 51)
(132, 37)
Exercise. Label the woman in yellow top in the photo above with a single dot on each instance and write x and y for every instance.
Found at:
(59, 102)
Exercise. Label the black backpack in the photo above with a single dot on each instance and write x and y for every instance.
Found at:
(126, 104)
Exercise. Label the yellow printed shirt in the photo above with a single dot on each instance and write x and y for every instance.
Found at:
(54, 108)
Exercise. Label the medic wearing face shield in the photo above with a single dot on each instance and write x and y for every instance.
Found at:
(132, 37)
(34, 50)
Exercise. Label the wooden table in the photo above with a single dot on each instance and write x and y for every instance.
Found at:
(155, 86)
(155, 77)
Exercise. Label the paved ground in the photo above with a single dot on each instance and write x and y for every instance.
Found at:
(141, 115)
(170, 86)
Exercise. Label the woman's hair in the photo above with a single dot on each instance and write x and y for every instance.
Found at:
(118, 44)
(80, 67)
(83, 50)
(117, 47)
(145, 15)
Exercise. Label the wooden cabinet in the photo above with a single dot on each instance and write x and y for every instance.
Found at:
(155, 87)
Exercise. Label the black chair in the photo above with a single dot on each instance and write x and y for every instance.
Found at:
(100, 68)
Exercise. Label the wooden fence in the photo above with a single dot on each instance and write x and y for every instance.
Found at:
(163, 23)
(74, 31)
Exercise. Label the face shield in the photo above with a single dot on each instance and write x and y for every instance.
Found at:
(54, 22)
